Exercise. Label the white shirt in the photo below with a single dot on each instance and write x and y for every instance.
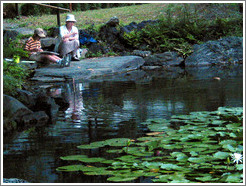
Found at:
(64, 31)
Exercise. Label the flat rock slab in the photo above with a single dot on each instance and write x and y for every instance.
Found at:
(88, 68)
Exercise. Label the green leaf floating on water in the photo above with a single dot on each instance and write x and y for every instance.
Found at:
(69, 168)
(221, 155)
(121, 178)
(110, 142)
(137, 151)
(83, 158)
(98, 171)
(239, 166)
(114, 151)
(128, 158)
(117, 142)
(180, 156)
(93, 145)
(196, 160)
(230, 142)
(205, 178)
(192, 137)
(234, 178)
(171, 167)
(172, 178)
(73, 157)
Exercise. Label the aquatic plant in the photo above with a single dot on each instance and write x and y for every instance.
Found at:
(185, 149)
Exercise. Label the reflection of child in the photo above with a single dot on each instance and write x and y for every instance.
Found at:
(33, 45)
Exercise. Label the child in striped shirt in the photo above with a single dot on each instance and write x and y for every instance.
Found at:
(33, 45)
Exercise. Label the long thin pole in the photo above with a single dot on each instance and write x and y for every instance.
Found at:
(58, 17)
(70, 7)
(17, 9)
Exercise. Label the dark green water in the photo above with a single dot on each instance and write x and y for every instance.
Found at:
(110, 109)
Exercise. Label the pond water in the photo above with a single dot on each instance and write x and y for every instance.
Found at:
(110, 109)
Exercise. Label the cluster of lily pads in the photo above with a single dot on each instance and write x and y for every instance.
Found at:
(202, 147)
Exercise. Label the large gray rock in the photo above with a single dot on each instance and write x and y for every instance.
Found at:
(137, 26)
(89, 68)
(48, 42)
(111, 34)
(12, 33)
(18, 115)
(225, 50)
(164, 59)
(26, 97)
(14, 109)
(114, 21)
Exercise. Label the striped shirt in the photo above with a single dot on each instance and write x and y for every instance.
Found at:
(32, 44)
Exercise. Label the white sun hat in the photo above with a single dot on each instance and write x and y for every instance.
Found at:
(70, 17)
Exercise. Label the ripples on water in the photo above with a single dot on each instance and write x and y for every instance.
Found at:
(102, 110)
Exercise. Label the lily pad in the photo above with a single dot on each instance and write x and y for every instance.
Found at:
(206, 178)
(171, 167)
(116, 142)
(180, 156)
(121, 178)
(110, 142)
(152, 165)
(234, 178)
(221, 155)
(73, 157)
(69, 168)
(128, 158)
(137, 151)
(114, 151)
(92, 145)
(239, 167)
(196, 160)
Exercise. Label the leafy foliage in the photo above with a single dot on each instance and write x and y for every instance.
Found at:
(181, 28)
(14, 48)
(14, 76)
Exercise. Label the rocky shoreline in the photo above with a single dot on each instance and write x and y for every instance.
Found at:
(31, 108)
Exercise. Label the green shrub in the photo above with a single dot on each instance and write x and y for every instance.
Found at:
(14, 75)
(14, 47)
(180, 28)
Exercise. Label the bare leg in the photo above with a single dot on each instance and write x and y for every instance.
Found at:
(51, 58)
(76, 51)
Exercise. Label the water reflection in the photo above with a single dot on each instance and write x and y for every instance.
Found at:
(102, 110)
